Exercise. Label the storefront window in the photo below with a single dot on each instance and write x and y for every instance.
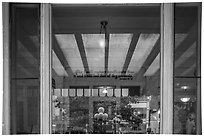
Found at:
(187, 91)
(25, 68)
(105, 69)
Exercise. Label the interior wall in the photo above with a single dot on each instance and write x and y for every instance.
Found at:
(100, 81)
(148, 85)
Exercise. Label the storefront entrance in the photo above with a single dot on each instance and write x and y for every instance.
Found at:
(102, 68)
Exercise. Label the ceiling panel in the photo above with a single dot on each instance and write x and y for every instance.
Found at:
(143, 48)
(153, 67)
(95, 51)
(70, 50)
(118, 48)
(57, 66)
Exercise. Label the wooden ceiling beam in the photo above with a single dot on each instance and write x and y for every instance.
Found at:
(153, 54)
(82, 52)
(106, 52)
(130, 52)
(61, 56)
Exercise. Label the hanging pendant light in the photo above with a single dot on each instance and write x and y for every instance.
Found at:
(103, 27)
(103, 30)
(185, 99)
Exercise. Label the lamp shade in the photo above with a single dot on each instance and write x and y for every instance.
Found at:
(185, 99)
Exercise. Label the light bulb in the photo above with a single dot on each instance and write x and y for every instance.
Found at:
(102, 43)
(54, 125)
(184, 87)
(105, 90)
(185, 99)
(159, 111)
(149, 97)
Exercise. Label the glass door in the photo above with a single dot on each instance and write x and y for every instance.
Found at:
(105, 68)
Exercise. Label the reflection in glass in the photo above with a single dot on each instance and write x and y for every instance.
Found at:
(25, 69)
(186, 70)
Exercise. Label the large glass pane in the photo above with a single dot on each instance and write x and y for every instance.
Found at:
(187, 116)
(25, 69)
(106, 60)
